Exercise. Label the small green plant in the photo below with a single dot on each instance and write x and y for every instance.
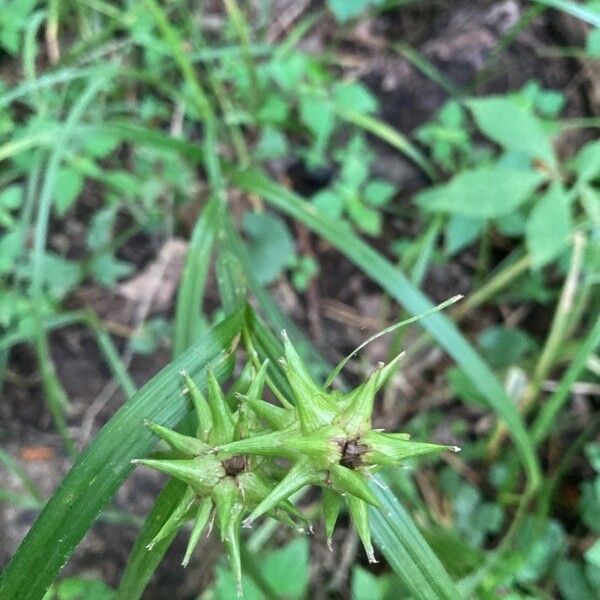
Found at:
(327, 437)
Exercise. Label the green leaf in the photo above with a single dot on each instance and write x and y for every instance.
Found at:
(60, 276)
(548, 227)
(285, 571)
(592, 555)
(69, 184)
(512, 126)
(317, 114)
(571, 581)
(188, 310)
(329, 203)
(11, 196)
(11, 244)
(399, 287)
(105, 463)
(587, 162)
(75, 588)
(142, 562)
(272, 144)
(366, 586)
(107, 269)
(364, 218)
(407, 552)
(483, 193)
(100, 230)
(378, 192)
(271, 245)
(354, 96)
(502, 346)
(592, 44)
(345, 10)
(461, 232)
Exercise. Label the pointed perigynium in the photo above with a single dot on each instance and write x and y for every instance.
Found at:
(220, 485)
(329, 439)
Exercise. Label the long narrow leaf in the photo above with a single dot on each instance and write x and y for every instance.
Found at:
(104, 465)
(406, 550)
(142, 562)
(414, 301)
(193, 280)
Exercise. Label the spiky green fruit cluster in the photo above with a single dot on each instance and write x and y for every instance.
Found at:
(227, 486)
(233, 466)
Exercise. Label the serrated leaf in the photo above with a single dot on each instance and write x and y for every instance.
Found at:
(548, 227)
(484, 193)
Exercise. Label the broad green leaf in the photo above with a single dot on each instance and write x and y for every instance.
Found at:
(366, 586)
(512, 126)
(75, 588)
(11, 244)
(348, 9)
(69, 184)
(285, 571)
(482, 193)
(502, 346)
(272, 144)
(365, 218)
(354, 96)
(592, 44)
(329, 203)
(571, 581)
(100, 230)
(548, 227)
(378, 192)
(107, 269)
(106, 462)
(587, 162)
(399, 287)
(11, 196)
(271, 245)
(461, 232)
(317, 114)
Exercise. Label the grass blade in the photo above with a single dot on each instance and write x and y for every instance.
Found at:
(142, 562)
(406, 550)
(106, 462)
(393, 137)
(193, 279)
(414, 301)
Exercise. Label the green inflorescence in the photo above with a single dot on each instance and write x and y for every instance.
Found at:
(233, 467)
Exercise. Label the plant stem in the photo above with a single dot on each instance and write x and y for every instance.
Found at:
(558, 329)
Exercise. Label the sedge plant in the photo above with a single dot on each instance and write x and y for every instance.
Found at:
(232, 467)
